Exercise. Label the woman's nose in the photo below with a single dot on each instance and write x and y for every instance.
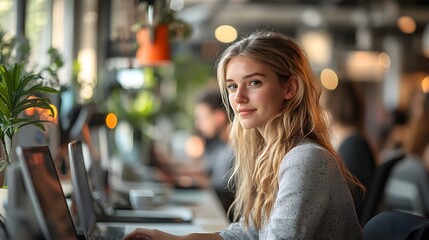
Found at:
(240, 95)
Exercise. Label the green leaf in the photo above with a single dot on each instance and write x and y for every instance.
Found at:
(16, 75)
(40, 89)
(21, 108)
(25, 81)
(3, 165)
(15, 91)
(28, 102)
(37, 123)
(4, 110)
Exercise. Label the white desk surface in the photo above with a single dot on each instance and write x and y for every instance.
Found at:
(209, 215)
(208, 212)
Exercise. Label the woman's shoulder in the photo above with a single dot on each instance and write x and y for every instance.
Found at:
(307, 154)
(307, 149)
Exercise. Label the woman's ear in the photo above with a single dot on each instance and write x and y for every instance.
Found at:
(291, 88)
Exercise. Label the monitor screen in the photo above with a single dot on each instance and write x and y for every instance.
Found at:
(82, 191)
(43, 185)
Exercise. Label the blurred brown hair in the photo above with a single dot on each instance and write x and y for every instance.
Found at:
(346, 104)
(417, 137)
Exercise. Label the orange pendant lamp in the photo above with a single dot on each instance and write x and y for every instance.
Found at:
(154, 45)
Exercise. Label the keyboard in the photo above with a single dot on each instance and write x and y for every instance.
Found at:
(108, 232)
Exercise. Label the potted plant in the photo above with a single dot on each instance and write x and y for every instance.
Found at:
(157, 25)
(19, 92)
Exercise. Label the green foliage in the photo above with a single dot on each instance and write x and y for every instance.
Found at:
(18, 92)
(6, 47)
(137, 108)
(55, 63)
(12, 51)
(9, 45)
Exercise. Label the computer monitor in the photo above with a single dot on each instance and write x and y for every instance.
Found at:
(82, 193)
(46, 194)
(21, 219)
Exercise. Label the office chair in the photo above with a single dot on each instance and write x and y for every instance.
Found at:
(396, 226)
(374, 195)
(408, 188)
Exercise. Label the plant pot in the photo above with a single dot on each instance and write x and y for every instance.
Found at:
(154, 45)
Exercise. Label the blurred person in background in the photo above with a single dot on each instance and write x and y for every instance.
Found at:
(211, 122)
(346, 108)
(417, 136)
(391, 140)
(414, 167)
(208, 155)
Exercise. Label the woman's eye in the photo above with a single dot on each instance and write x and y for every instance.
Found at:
(231, 87)
(255, 83)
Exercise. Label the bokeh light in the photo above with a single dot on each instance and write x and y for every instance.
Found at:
(384, 60)
(194, 147)
(329, 79)
(111, 120)
(226, 34)
(406, 24)
(425, 84)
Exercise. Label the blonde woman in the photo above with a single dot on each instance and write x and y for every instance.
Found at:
(290, 182)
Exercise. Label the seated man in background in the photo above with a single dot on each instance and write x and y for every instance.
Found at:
(208, 156)
(211, 121)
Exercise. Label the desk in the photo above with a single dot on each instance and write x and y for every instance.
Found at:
(208, 212)
(209, 215)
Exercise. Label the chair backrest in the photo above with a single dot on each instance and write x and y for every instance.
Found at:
(396, 226)
(408, 187)
(376, 190)
(404, 196)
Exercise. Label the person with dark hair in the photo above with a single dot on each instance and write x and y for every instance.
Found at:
(417, 136)
(414, 168)
(346, 108)
(211, 121)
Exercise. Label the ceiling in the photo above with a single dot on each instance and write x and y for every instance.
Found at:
(290, 15)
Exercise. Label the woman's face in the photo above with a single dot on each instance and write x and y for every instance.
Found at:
(255, 93)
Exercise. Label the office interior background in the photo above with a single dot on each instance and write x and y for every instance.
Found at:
(383, 45)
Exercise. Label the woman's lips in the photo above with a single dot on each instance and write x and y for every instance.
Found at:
(245, 112)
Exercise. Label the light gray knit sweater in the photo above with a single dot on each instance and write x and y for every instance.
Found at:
(313, 201)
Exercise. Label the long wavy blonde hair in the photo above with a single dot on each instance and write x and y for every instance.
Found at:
(257, 158)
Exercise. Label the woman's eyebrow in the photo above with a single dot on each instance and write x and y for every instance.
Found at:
(254, 74)
(249, 76)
